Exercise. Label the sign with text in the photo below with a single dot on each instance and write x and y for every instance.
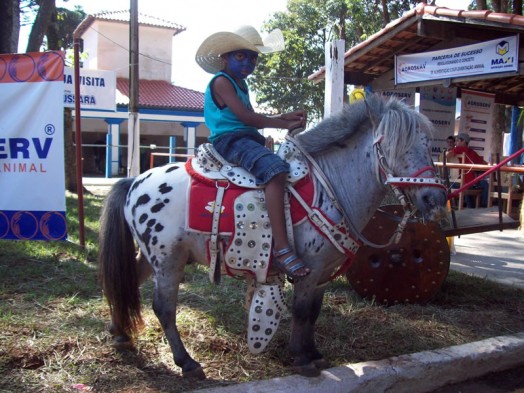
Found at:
(476, 119)
(439, 103)
(32, 181)
(500, 55)
(97, 89)
(405, 95)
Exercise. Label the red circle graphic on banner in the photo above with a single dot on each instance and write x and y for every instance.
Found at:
(45, 66)
(54, 220)
(4, 222)
(21, 67)
(3, 68)
(24, 225)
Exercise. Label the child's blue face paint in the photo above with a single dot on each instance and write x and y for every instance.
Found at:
(241, 63)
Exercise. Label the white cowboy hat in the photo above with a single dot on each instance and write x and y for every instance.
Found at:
(245, 37)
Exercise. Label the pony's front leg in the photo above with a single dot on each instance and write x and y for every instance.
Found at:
(307, 304)
(164, 304)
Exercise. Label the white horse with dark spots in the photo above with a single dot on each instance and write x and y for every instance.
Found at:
(210, 212)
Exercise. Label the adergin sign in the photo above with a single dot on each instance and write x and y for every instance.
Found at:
(500, 55)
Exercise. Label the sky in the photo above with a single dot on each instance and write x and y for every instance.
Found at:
(201, 18)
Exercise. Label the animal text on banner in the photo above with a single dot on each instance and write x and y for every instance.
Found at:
(32, 184)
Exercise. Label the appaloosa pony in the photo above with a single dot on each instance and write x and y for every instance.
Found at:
(210, 212)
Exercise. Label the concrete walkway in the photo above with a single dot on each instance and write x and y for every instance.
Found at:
(495, 255)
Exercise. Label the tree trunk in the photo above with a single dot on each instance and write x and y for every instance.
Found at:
(9, 26)
(385, 13)
(482, 5)
(36, 37)
(517, 7)
(496, 5)
(51, 33)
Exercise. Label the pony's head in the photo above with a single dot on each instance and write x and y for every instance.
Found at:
(391, 136)
(402, 144)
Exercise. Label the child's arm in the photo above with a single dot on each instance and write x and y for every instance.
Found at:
(224, 92)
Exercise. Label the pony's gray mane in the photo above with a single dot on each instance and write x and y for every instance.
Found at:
(395, 121)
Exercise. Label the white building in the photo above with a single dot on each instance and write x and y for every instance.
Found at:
(169, 115)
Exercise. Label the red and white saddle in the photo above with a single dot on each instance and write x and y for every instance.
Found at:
(224, 201)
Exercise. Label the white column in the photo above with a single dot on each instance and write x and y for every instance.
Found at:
(334, 93)
(114, 131)
(190, 139)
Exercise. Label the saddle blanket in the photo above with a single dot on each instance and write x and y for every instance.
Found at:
(202, 196)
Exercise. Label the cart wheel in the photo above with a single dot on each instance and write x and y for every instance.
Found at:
(411, 271)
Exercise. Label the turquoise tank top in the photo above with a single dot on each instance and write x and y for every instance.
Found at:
(221, 120)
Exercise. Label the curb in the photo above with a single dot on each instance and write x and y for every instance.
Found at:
(419, 372)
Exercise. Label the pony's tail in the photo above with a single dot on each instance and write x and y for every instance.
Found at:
(117, 263)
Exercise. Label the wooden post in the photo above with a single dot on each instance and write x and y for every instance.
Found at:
(133, 125)
(334, 94)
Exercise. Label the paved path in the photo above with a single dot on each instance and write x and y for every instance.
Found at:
(495, 255)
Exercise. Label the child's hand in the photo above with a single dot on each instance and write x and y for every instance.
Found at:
(296, 119)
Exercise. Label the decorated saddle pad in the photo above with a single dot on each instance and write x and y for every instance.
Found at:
(202, 196)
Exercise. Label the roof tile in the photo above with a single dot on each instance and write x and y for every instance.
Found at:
(143, 19)
(162, 94)
(501, 18)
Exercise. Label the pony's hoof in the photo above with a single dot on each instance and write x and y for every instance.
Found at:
(321, 364)
(307, 370)
(122, 343)
(196, 374)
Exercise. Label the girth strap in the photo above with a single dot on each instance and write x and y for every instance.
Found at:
(214, 267)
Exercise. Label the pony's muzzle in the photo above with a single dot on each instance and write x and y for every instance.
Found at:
(431, 202)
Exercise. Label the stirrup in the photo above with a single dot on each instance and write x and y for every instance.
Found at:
(283, 266)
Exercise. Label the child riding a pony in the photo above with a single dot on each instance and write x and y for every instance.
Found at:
(231, 57)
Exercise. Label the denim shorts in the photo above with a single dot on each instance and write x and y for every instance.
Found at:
(247, 149)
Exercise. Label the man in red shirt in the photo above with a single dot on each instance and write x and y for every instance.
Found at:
(471, 157)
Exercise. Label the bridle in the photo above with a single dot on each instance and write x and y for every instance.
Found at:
(397, 185)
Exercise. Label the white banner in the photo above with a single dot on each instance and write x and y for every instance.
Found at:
(476, 119)
(97, 89)
(500, 55)
(439, 105)
(32, 183)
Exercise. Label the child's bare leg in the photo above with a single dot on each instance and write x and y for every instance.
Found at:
(274, 192)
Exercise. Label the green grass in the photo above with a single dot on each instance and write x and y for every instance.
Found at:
(53, 320)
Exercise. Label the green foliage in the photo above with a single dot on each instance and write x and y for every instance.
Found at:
(63, 23)
(280, 81)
